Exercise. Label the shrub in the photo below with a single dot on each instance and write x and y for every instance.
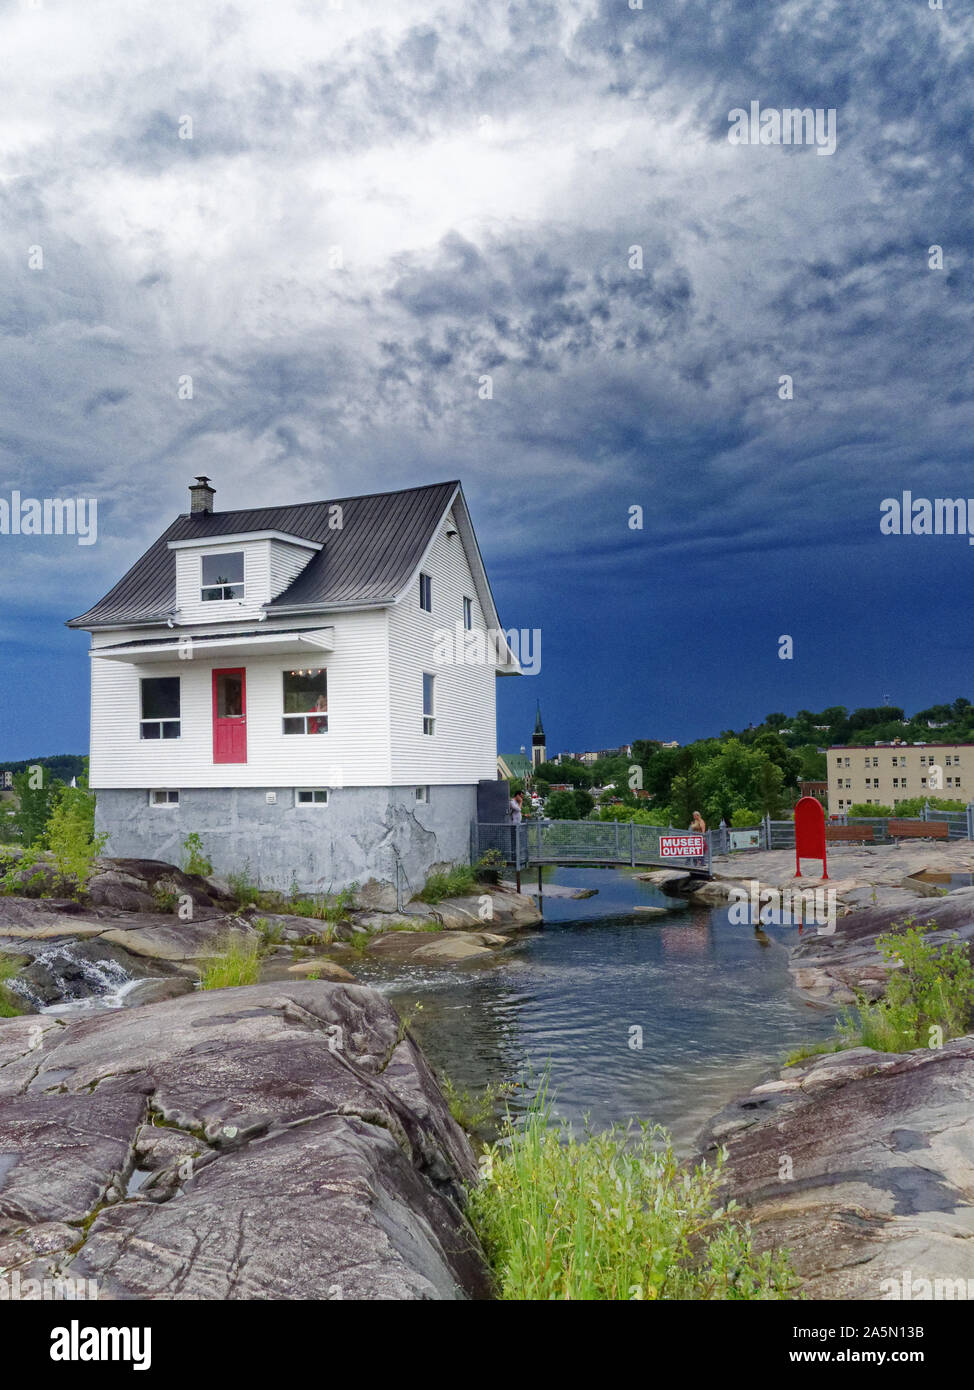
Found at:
(237, 964)
(71, 834)
(612, 1217)
(929, 997)
(744, 820)
(862, 810)
(194, 860)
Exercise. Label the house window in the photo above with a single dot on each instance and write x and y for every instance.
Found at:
(426, 593)
(468, 614)
(311, 796)
(423, 794)
(429, 713)
(162, 797)
(222, 576)
(306, 701)
(160, 707)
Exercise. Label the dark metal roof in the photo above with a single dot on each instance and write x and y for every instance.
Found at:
(369, 561)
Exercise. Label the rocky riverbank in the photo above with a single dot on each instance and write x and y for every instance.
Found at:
(148, 921)
(267, 1142)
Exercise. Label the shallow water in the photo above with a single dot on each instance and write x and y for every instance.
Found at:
(714, 1001)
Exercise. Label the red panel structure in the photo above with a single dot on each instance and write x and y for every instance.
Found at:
(809, 833)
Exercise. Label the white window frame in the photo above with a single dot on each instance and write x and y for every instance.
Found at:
(429, 720)
(240, 584)
(320, 715)
(422, 795)
(169, 719)
(319, 796)
(168, 793)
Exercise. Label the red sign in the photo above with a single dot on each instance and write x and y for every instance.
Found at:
(681, 847)
(809, 833)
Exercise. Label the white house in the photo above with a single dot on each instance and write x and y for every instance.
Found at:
(309, 688)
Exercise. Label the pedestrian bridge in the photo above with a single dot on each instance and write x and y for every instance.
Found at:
(602, 843)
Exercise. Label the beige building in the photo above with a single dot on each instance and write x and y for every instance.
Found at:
(888, 773)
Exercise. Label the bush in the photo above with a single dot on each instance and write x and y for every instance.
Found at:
(71, 834)
(862, 810)
(456, 883)
(745, 820)
(612, 1217)
(929, 998)
(194, 860)
(237, 964)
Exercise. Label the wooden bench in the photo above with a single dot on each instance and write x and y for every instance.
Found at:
(918, 830)
(849, 832)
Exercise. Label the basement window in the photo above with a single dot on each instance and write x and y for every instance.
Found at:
(306, 701)
(222, 576)
(423, 794)
(311, 796)
(163, 797)
(159, 697)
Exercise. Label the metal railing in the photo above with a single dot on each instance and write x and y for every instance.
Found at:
(780, 834)
(582, 841)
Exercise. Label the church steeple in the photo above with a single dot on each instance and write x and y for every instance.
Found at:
(538, 750)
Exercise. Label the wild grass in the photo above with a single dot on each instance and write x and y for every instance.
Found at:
(614, 1216)
(333, 908)
(455, 883)
(237, 964)
(473, 1110)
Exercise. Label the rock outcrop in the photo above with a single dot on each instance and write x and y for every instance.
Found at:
(834, 968)
(283, 1141)
(861, 1164)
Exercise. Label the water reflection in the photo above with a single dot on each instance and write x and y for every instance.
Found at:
(661, 1019)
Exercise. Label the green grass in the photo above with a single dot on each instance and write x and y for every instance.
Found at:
(237, 964)
(10, 1004)
(815, 1049)
(333, 908)
(614, 1217)
(455, 883)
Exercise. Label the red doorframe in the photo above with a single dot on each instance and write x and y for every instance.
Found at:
(230, 730)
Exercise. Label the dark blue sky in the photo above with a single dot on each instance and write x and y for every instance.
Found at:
(375, 212)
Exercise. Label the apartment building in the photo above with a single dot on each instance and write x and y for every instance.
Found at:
(887, 773)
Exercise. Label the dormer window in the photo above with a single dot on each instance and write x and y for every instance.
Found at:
(222, 576)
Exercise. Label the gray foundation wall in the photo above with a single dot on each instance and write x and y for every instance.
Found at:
(354, 839)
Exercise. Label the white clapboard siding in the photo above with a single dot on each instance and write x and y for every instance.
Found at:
(463, 748)
(354, 752)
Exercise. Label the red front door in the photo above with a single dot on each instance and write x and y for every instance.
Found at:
(230, 716)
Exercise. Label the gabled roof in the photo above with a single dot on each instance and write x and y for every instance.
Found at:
(370, 561)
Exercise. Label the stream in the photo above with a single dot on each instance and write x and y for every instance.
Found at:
(715, 1003)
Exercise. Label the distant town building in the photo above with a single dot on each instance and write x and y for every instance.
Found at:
(513, 765)
(6, 780)
(883, 774)
(538, 741)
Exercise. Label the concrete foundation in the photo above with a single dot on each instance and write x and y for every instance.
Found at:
(358, 837)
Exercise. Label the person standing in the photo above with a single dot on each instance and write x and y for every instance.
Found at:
(516, 817)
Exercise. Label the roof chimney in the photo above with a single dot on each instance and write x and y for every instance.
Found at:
(201, 495)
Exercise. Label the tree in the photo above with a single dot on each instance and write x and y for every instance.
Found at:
(35, 792)
(584, 803)
(561, 806)
(768, 784)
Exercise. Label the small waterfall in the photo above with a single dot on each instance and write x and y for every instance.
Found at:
(69, 974)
